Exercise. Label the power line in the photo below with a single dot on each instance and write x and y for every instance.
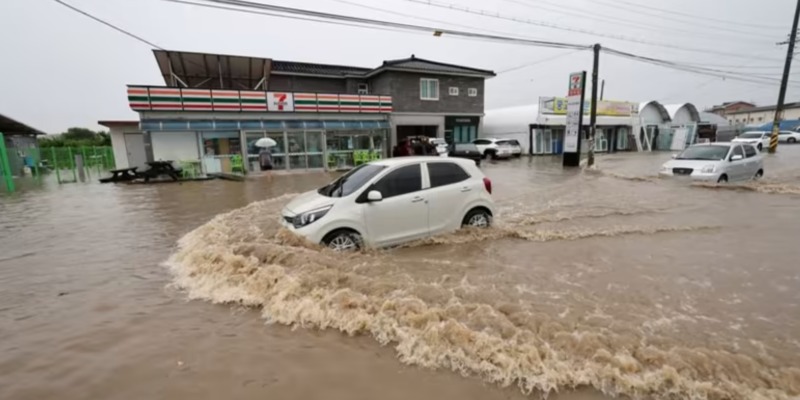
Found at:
(495, 15)
(403, 26)
(110, 25)
(383, 10)
(697, 70)
(703, 18)
(255, 12)
(503, 71)
(591, 15)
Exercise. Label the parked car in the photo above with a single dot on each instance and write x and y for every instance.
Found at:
(759, 139)
(466, 150)
(516, 148)
(441, 145)
(716, 162)
(393, 201)
(491, 148)
(789, 136)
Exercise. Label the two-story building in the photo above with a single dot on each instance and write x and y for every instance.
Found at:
(214, 108)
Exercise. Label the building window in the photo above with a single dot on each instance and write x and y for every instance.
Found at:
(760, 119)
(472, 92)
(363, 88)
(453, 91)
(429, 89)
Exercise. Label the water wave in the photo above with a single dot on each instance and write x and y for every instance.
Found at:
(243, 257)
(759, 187)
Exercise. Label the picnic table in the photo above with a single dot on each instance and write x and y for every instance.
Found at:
(121, 175)
(160, 168)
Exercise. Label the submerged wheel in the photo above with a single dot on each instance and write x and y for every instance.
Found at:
(791, 140)
(759, 174)
(760, 147)
(343, 240)
(723, 179)
(478, 218)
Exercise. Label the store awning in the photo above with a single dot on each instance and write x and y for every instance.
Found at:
(259, 125)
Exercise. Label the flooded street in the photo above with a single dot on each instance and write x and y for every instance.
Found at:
(591, 284)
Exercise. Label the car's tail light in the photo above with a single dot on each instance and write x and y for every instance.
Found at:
(487, 183)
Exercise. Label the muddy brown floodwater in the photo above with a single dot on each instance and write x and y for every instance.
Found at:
(591, 285)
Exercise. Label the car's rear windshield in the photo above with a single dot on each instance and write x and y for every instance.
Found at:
(465, 147)
(704, 153)
(351, 181)
(751, 135)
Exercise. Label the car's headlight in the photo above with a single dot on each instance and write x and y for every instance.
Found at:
(308, 217)
(664, 168)
(708, 169)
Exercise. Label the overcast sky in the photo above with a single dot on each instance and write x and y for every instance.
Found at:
(61, 69)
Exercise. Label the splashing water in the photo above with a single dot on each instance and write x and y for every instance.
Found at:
(447, 321)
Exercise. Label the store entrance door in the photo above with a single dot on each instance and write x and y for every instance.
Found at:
(407, 131)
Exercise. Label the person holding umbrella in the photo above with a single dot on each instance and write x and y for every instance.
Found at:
(265, 155)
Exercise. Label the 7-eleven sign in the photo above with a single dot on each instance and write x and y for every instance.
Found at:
(575, 84)
(280, 101)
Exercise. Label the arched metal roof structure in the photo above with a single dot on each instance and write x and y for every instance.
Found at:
(682, 114)
(653, 113)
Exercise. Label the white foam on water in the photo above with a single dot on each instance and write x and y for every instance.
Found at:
(245, 258)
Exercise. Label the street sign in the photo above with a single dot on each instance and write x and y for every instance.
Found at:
(572, 134)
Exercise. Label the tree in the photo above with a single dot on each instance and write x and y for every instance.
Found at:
(76, 137)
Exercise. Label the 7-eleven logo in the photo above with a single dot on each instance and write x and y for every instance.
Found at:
(280, 99)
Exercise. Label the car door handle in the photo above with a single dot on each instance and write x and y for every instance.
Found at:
(417, 199)
(466, 189)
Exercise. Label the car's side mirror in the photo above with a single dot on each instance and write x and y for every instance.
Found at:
(374, 196)
(736, 157)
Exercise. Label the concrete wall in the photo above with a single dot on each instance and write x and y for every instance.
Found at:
(405, 91)
(118, 145)
(174, 146)
(761, 117)
(307, 84)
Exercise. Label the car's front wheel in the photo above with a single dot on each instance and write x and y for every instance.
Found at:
(759, 174)
(343, 240)
(478, 218)
(760, 147)
(723, 179)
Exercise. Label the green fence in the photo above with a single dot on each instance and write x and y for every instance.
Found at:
(5, 167)
(61, 160)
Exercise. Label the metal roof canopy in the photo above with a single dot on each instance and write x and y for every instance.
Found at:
(13, 127)
(215, 71)
(219, 71)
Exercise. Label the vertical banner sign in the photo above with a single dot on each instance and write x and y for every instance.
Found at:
(572, 134)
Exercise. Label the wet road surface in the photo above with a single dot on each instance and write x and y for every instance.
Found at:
(609, 281)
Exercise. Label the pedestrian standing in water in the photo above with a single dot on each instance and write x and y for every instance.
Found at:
(265, 160)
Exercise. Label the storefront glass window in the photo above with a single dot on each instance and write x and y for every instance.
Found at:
(296, 142)
(218, 150)
(279, 151)
(622, 139)
(314, 149)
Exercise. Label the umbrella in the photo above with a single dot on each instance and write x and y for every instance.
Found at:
(266, 142)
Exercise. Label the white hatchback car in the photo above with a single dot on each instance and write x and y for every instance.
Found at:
(716, 162)
(393, 201)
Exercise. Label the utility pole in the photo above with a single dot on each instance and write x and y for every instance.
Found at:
(773, 139)
(593, 105)
(602, 88)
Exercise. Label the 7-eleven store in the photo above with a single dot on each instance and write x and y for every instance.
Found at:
(313, 131)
